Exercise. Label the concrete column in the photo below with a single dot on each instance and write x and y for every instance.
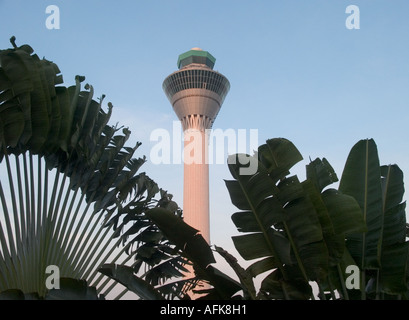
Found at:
(196, 181)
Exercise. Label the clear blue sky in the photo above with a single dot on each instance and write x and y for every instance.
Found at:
(295, 70)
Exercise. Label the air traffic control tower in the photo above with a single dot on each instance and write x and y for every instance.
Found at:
(196, 93)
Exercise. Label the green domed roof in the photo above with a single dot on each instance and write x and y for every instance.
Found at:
(196, 55)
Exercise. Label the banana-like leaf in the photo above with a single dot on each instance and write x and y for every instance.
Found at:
(393, 274)
(183, 236)
(361, 180)
(344, 211)
(346, 218)
(339, 214)
(335, 243)
(284, 224)
(394, 254)
(321, 173)
(259, 245)
(337, 276)
(262, 266)
(251, 193)
(224, 287)
(244, 276)
(11, 123)
(73, 289)
(197, 250)
(125, 275)
(274, 286)
(379, 192)
(278, 156)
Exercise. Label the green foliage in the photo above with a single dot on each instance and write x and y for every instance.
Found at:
(191, 244)
(70, 180)
(300, 233)
(382, 252)
(201, 279)
(126, 276)
(304, 232)
(361, 179)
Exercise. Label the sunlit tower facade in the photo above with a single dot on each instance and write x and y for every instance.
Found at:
(196, 93)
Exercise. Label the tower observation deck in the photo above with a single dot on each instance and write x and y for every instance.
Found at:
(196, 93)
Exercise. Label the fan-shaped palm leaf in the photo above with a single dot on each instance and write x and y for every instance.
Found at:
(66, 179)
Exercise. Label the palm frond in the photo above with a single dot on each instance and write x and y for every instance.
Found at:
(67, 180)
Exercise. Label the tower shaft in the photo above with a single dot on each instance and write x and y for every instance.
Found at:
(196, 181)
